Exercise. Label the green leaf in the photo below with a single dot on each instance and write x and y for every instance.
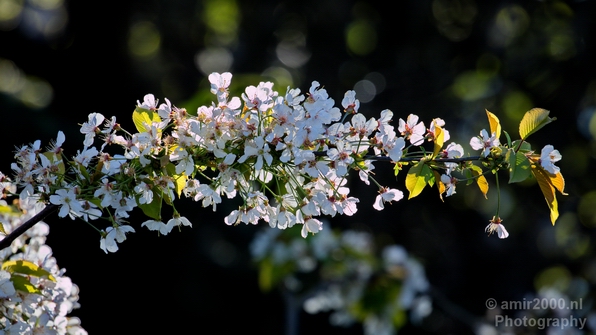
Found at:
(519, 166)
(23, 284)
(53, 158)
(418, 177)
(143, 119)
(521, 145)
(397, 167)
(27, 268)
(508, 138)
(469, 176)
(152, 210)
(533, 120)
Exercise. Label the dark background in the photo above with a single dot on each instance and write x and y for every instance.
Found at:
(445, 58)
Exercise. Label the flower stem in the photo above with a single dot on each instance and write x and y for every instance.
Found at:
(498, 194)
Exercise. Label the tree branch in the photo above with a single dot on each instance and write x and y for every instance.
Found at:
(411, 159)
(8, 239)
(415, 159)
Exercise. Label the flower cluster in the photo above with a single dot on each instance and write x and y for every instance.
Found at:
(35, 295)
(287, 156)
(340, 273)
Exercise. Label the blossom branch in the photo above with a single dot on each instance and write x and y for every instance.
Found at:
(20, 230)
(242, 144)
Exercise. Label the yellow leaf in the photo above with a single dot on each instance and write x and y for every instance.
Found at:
(179, 179)
(439, 139)
(143, 119)
(558, 182)
(483, 185)
(533, 120)
(23, 284)
(440, 184)
(495, 125)
(418, 176)
(27, 268)
(545, 181)
(180, 182)
(480, 179)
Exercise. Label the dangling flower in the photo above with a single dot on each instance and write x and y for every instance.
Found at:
(449, 182)
(495, 225)
(548, 157)
(311, 226)
(112, 235)
(387, 195)
(178, 220)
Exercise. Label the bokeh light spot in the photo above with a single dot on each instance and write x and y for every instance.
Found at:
(365, 90)
(361, 37)
(584, 119)
(37, 93)
(474, 85)
(378, 80)
(143, 40)
(47, 4)
(280, 76)
(586, 209)
(222, 18)
(44, 20)
(569, 238)
(292, 54)
(592, 124)
(561, 46)
(514, 104)
(12, 79)
(214, 60)
(510, 23)
(10, 12)
(31, 91)
(454, 18)
(557, 277)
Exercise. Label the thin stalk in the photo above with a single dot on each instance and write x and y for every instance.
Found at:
(498, 194)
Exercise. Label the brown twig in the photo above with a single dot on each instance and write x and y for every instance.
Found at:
(8, 239)
(438, 160)
(412, 159)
